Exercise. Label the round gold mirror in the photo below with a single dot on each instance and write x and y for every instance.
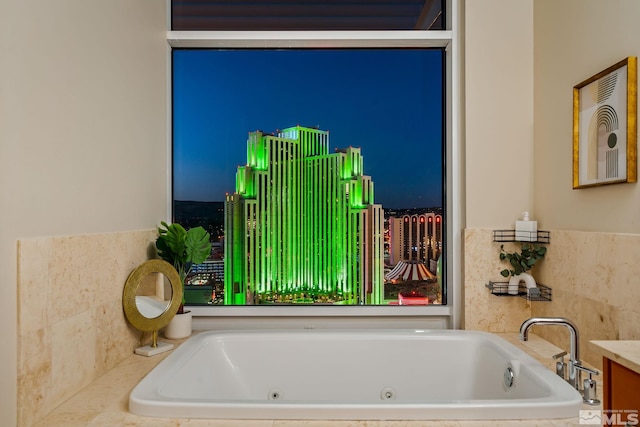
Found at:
(145, 304)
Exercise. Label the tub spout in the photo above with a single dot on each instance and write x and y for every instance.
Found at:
(574, 349)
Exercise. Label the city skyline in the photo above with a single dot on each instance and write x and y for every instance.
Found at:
(386, 102)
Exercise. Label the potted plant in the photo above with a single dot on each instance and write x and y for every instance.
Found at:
(520, 263)
(182, 248)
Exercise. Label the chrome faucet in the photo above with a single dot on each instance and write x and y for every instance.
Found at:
(574, 349)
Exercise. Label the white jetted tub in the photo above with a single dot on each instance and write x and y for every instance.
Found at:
(354, 375)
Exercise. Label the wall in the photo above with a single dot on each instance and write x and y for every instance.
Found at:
(594, 277)
(71, 326)
(482, 310)
(498, 111)
(591, 263)
(594, 252)
(575, 39)
(498, 149)
(83, 124)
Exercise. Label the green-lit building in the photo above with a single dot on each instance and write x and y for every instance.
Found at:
(302, 226)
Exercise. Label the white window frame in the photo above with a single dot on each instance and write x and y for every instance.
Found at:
(448, 316)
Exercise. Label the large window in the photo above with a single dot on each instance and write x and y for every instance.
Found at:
(325, 163)
(318, 173)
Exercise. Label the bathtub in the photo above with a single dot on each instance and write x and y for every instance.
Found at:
(352, 375)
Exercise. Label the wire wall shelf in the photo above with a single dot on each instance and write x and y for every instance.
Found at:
(540, 293)
(539, 236)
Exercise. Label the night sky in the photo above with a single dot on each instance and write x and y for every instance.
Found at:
(388, 102)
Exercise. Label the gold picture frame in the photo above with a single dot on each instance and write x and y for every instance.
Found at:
(605, 126)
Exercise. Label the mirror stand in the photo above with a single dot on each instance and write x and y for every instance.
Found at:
(155, 347)
(144, 312)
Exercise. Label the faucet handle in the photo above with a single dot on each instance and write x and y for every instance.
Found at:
(559, 355)
(589, 386)
(561, 367)
(585, 369)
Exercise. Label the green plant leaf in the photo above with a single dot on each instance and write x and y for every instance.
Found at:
(197, 245)
(182, 248)
(171, 244)
(522, 261)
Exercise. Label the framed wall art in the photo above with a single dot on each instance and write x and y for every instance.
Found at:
(604, 126)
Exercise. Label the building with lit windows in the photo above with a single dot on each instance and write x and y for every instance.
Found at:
(415, 237)
(302, 226)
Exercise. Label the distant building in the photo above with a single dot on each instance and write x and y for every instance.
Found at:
(302, 222)
(208, 271)
(415, 237)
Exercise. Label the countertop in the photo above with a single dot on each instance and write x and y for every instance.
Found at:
(624, 352)
(105, 401)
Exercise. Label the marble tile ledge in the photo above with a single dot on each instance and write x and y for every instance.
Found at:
(105, 401)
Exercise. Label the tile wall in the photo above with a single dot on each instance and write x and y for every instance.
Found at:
(595, 281)
(482, 310)
(71, 327)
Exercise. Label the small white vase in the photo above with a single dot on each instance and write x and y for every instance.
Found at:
(514, 282)
(179, 327)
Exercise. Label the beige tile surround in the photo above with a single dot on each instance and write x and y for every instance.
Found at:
(71, 329)
(594, 280)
